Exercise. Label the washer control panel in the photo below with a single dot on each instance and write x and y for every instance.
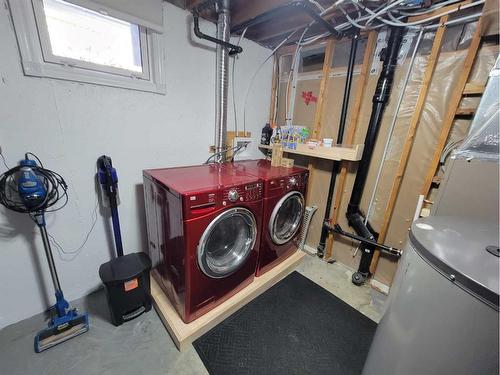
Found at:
(243, 193)
(233, 195)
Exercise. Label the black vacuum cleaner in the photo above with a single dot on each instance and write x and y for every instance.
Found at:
(125, 277)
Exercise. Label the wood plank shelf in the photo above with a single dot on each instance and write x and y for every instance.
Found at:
(184, 334)
(337, 153)
(466, 111)
(474, 89)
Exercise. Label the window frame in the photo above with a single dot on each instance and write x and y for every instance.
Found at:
(37, 59)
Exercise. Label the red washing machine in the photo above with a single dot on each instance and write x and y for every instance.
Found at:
(283, 209)
(203, 225)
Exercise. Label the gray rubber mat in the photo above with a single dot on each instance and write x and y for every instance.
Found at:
(296, 327)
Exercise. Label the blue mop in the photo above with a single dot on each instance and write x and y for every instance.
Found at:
(30, 188)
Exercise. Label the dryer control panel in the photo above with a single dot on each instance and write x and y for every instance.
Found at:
(242, 193)
(288, 183)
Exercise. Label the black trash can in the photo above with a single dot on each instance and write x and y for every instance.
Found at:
(128, 287)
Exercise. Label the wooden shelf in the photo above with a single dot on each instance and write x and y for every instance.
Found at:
(466, 111)
(473, 89)
(337, 153)
(184, 334)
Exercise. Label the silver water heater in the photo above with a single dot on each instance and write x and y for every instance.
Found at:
(442, 315)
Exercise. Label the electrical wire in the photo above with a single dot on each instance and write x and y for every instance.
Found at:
(277, 93)
(54, 185)
(363, 22)
(3, 160)
(456, 21)
(318, 5)
(239, 149)
(232, 82)
(224, 151)
(427, 10)
(396, 21)
(257, 72)
(36, 157)
(384, 10)
(293, 72)
(393, 124)
(276, 49)
(74, 253)
(56, 191)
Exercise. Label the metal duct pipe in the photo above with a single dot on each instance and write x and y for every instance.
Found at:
(222, 72)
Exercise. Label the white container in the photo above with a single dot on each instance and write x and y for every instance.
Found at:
(312, 144)
(327, 142)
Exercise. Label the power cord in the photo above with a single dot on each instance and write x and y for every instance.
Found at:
(245, 145)
(237, 148)
(74, 253)
(53, 182)
(232, 83)
(3, 160)
(56, 189)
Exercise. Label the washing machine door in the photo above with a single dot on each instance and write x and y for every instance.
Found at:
(286, 217)
(227, 242)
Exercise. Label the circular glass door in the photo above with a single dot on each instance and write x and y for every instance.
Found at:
(286, 217)
(227, 242)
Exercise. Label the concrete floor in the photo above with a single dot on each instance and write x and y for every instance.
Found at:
(142, 346)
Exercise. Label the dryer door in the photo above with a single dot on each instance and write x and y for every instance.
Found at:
(227, 242)
(286, 217)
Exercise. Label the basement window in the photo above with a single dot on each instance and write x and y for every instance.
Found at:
(311, 60)
(61, 40)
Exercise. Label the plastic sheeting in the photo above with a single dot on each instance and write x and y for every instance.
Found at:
(484, 143)
(449, 67)
(483, 139)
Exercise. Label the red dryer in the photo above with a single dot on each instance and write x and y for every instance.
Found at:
(203, 227)
(283, 209)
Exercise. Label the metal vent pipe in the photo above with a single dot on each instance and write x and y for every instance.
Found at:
(222, 72)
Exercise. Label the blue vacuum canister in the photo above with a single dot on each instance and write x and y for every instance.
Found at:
(126, 277)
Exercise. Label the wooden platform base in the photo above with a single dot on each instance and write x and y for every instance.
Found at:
(184, 334)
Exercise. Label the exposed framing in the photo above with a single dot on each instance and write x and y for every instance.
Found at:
(410, 136)
(397, 179)
(351, 131)
(323, 88)
(318, 116)
(440, 11)
(453, 105)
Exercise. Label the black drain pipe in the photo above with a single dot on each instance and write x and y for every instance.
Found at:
(380, 99)
(340, 136)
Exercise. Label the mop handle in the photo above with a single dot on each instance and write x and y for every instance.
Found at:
(40, 220)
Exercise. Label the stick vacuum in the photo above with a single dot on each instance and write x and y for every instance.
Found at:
(126, 277)
(30, 188)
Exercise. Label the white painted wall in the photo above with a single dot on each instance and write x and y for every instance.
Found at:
(69, 125)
